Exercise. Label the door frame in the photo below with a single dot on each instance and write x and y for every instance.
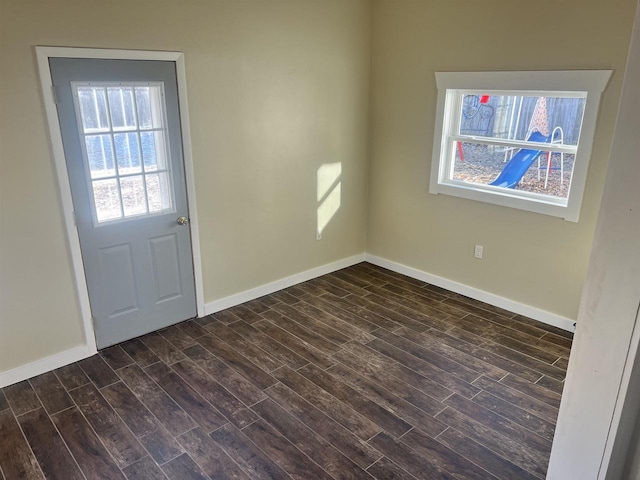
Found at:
(43, 54)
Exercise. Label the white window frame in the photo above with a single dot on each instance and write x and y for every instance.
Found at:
(590, 83)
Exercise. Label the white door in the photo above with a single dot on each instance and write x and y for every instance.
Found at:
(120, 124)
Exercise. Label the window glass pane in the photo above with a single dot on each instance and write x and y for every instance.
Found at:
(523, 169)
(514, 117)
(100, 155)
(127, 153)
(159, 191)
(93, 108)
(143, 103)
(149, 104)
(133, 196)
(153, 150)
(106, 199)
(121, 107)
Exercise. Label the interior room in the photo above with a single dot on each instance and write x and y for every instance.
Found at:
(327, 300)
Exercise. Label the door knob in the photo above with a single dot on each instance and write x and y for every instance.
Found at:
(182, 221)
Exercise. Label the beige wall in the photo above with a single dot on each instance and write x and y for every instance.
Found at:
(276, 90)
(534, 259)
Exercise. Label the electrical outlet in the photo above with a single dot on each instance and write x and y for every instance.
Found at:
(478, 251)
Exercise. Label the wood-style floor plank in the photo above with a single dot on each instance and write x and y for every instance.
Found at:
(424, 368)
(48, 447)
(430, 342)
(383, 365)
(139, 352)
(360, 403)
(22, 398)
(444, 458)
(116, 437)
(482, 456)
(249, 350)
(210, 457)
(385, 469)
(51, 392)
(517, 398)
(347, 331)
(295, 344)
(16, 459)
(516, 414)
(247, 454)
(306, 328)
(89, 452)
(192, 329)
(358, 451)
(287, 456)
(116, 357)
(551, 384)
(309, 442)
(536, 391)
(160, 445)
(268, 344)
(98, 371)
(189, 400)
(400, 407)
(178, 337)
(4, 404)
(72, 376)
(500, 424)
(356, 307)
(484, 355)
(223, 400)
(144, 469)
(359, 374)
(237, 362)
(430, 316)
(342, 413)
(443, 363)
(183, 468)
(165, 351)
(531, 460)
(156, 400)
(390, 382)
(226, 376)
(246, 314)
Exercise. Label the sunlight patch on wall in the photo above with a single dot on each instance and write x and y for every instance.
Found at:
(329, 189)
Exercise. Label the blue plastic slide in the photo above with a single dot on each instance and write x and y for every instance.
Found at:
(519, 164)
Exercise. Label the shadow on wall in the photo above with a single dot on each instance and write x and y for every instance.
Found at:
(329, 186)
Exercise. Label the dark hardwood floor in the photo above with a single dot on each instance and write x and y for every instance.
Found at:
(363, 373)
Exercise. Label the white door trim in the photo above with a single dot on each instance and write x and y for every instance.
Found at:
(43, 54)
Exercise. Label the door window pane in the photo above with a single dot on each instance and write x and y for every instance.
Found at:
(127, 153)
(100, 155)
(159, 191)
(93, 105)
(133, 196)
(107, 199)
(153, 150)
(121, 106)
(125, 148)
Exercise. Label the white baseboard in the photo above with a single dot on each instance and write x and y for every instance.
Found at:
(266, 289)
(43, 365)
(61, 359)
(475, 293)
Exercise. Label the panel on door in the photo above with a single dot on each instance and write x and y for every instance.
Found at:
(120, 124)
